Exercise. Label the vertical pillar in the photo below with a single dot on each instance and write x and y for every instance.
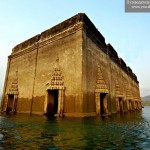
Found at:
(121, 105)
(117, 104)
(46, 102)
(13, 105)
(97, 102)
(6, 103)
(139, 105)
(105, 105)
(59, 102)
(127, 102)
(125, 105)
(62, 103)
(133, 104)
(130, 104)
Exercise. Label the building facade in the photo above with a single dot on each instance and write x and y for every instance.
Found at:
(69, 70)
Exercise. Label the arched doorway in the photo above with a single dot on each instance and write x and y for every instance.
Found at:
(103, 104)
(12, 96)
(54, 99)
(120, 104)
(52, 102)
(101, 91)
(10, 103)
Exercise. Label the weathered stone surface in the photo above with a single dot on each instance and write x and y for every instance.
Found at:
(69, 70)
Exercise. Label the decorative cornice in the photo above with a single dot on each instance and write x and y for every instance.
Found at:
(56, 81)
(135, 94)
(101, 86)
(14, 86)
(129, 94)
(119, 92)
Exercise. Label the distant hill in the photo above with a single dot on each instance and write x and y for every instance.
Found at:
(146, 100)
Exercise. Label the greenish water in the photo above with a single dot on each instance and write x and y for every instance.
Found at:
(129, 131)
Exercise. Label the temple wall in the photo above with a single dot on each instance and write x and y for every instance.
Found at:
(68, 49)
(80, 50)
(93, 56)
(25, 65)
(35, 64)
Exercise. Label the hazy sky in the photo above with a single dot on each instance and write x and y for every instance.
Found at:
(129, 33)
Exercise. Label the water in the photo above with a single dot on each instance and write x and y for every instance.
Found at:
(117, 132)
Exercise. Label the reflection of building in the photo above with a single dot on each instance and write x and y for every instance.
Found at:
(69, 70)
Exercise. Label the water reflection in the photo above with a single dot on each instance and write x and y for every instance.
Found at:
(120, 131)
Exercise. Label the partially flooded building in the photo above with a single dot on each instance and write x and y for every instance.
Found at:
(69, 70)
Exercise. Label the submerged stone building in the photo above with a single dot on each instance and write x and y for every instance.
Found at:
(69, 70)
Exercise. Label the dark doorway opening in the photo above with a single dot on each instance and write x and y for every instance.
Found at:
(102, 106)
(52, 105)
(10, 103)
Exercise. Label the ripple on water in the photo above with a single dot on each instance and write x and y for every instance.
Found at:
(130, 131)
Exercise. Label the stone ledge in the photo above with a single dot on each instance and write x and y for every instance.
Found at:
(26, 43)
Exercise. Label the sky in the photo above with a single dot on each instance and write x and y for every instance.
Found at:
(128, 33)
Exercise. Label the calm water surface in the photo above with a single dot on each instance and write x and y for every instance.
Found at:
(118, 132)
